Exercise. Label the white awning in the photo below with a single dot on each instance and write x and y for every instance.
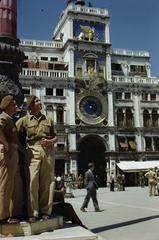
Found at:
(133, 166)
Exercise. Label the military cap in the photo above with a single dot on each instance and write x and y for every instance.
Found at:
(30, 100)
(6, 101)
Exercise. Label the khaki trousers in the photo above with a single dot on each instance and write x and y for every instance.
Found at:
(10, 184)
(152, 189)
(40, 179)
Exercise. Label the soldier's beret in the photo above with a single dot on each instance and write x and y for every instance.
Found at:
(30, 100)
(6, 101)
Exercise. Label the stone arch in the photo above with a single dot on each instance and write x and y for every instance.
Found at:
(92, 148)
(60, 114)
(49, 110)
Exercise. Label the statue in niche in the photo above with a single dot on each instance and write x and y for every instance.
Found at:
(87, 34)
(90, 70)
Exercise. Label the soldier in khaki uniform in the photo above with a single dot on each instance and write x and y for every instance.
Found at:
(10, 179)
(40, 139)
(152, 181)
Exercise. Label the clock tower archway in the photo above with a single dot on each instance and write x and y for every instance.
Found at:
(92, 148)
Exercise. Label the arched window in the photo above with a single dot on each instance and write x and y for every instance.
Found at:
(154, 118)
(129, 118)
(49, 110)
(146, 118)
(60, 114)
(90, 63)
(120, 118)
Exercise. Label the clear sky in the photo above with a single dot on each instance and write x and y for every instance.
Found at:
(134, 24)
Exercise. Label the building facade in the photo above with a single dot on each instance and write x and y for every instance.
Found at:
(103, 100)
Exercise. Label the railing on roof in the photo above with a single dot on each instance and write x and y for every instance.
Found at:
(40, 43)
(44, 73)
(133, 53)
(81, 9)
(136, 79)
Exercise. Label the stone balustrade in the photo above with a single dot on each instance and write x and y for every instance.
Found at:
(136, 79)
(39, 43)
(32, 72)
(132, 53)
(82, 9)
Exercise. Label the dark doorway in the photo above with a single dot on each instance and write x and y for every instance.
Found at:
(59, 167)
(92, 149)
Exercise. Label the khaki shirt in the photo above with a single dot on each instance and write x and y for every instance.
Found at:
(8, 129)
(36, 128)
(151, 175)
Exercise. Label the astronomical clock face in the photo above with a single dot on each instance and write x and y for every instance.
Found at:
(91, 107)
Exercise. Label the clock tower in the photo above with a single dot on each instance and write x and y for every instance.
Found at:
(85, 31)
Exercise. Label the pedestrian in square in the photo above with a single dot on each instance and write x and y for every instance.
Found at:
(91, 187)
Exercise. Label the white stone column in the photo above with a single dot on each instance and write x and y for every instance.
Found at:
(64, 116)
(70, 94)
(148, 69)
(71, 62)
(54, 91)
(108, 67)
(111, 142)
(107, 35)
(110, 110)
(153, 144)
(139, 143)
(70, 28)
(55, 114)
(137, 120)
(136, 102)
(72, 140)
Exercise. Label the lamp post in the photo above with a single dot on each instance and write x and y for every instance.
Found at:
(68, 178)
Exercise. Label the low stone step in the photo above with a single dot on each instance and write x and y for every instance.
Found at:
(28, 229)
(72, 233)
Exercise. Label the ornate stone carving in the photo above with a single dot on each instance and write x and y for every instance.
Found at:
(8, 86)
(11, 56)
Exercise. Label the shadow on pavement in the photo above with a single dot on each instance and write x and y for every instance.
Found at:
(123, 224)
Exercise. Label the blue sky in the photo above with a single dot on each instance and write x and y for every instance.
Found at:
(134, 24)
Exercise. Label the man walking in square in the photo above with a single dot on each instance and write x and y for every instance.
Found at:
(91, 187)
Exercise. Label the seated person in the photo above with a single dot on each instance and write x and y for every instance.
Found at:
(65, 209)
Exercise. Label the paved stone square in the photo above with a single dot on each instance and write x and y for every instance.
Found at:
(128, 215)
